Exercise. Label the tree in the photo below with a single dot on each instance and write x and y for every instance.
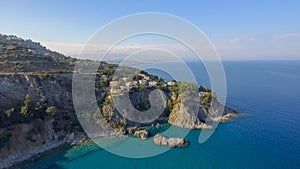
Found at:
(160, 80)
(202, 89)
(9, 112)
(51, 110)
(137, 77)
(27, 99)
(24, 109)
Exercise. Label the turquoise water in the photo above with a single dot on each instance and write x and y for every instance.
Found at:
(265, 135)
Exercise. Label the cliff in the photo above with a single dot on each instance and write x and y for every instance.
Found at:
(35, 111)
(185, 116)
(183, 107)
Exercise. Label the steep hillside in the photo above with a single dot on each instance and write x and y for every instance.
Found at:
(36, 106)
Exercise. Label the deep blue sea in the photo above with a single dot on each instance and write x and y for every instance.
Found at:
(265, 135)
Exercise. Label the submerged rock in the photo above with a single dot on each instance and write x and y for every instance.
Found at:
(169, 142)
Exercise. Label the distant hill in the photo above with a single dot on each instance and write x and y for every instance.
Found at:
(19, 55)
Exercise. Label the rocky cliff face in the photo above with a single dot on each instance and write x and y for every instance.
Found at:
(182, 116)
(35, 110)
(190, 112)
(46, 89)
(138, 100)
(24, 137)
(183, 109)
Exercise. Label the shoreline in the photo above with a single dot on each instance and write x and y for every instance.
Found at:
(16, 159)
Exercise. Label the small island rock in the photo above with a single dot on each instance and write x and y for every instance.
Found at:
(169, 142)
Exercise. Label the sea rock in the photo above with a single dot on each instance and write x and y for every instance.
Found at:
(131, 130)
(169, 142)
(142, 134)
(224, 118)
(191, 115)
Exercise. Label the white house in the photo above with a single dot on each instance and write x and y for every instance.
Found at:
(202, 94)
(171, 83)
(146, 77)
(131, 84)
(152, 84)
(113, 83)
(142, 82)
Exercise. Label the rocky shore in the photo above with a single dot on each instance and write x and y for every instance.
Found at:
(170, 142)
(15, 159)
(142, 134)
(160, 140)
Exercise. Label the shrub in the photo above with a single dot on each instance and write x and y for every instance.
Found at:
(27, 99)
(51, 110)
(9, 112)
(24, 109)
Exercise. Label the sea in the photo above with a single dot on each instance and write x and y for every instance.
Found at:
(265, 135)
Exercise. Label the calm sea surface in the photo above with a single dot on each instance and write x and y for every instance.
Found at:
(265, 135)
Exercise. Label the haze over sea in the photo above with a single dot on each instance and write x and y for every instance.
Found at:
(265, 135)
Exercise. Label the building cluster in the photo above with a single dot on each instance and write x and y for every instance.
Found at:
(125, 84)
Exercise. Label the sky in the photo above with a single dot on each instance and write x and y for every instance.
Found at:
(239, 30)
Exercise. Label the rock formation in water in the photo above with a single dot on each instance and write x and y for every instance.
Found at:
(169, 142)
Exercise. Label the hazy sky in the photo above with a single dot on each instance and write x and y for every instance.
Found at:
(256, 29)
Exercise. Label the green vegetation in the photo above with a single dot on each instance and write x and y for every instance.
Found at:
(24, 110)
(9, 112)
(27, 101)
(51, 110)
(18, 55)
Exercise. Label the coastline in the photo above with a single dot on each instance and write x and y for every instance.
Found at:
(16, 159)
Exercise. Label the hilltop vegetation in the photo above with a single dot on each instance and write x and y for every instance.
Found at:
(18, 55)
